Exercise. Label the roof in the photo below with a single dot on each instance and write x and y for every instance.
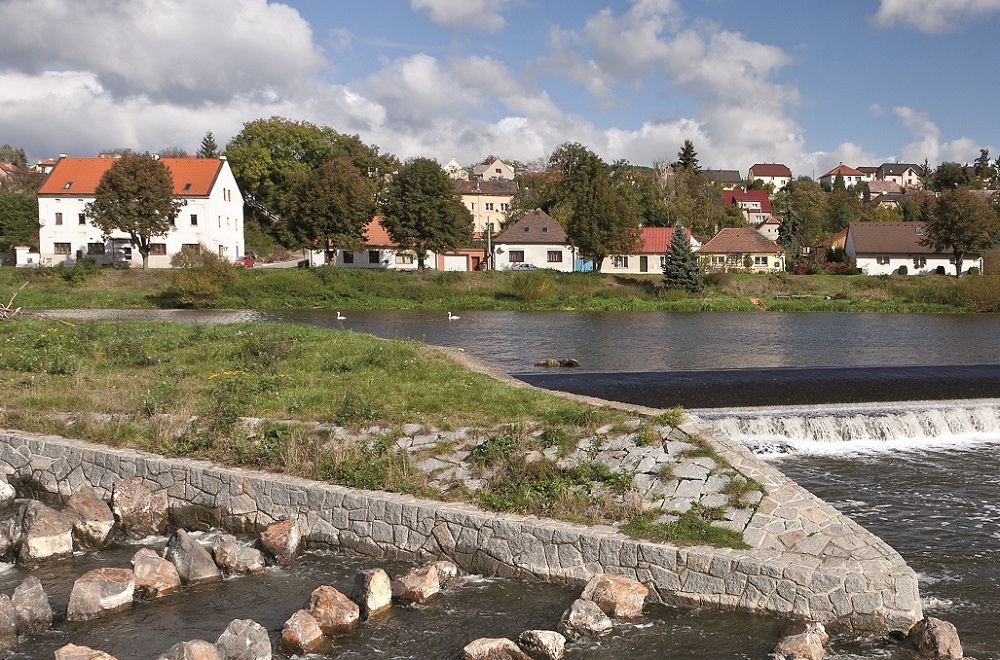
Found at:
(867, 169)
(487, 187)
(536, 227)
(7, 168)
(656, 240)
(193, 177)
(888, 238)
(376, 235)
(729, 197)
(897, 169)
(884, 187)
(842, 170)
(742, 240)
(770, 169)
(724, 176)
(835, 240)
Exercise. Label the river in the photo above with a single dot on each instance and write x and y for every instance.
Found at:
(933, 497)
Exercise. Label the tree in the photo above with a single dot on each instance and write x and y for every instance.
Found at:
(135, 196)
(950, 175)
(962, 222)
(600, 222)
(329, 206)
(423, 212)
(687, 157)
(174, 152)
(13, 156)
(680, 266)
(18, 219)
(208, 148)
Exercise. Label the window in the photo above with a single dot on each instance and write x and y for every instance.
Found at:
(882, 260)
(58, 218)
(404, 258)
(157, 249)
(718, 260)
(472, 206)
(619, 261)
(348, 257)
(504, 206)
(760, 261)
(554, 256)
(919, 230)
(489, 206)
(69, 184)
(515, 256)
(919, 262)
(194, 219)
(95, 248)
(187, 187)
(374, 256)
(526, 229)
(545, 230)
(81, 218)
(191, 247)
(663, 261)
(62, 248)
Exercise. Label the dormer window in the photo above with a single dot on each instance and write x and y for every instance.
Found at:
(526, 229)
(69, 184)
(919, 230)
(545, 230)
(187, 187)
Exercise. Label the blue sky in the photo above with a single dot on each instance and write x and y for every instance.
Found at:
(808, 84)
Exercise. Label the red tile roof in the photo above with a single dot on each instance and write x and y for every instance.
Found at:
(741, 240)
(842, 170)
(731, 196)
(376, 236)
(193, 177)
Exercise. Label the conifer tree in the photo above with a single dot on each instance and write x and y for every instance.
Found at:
(208, 149)
(687, 157)
(680, 268)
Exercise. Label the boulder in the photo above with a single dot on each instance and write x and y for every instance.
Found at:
(196, 649)
(10, 535)
(139, 511)
(302, 634)
(244, 639)
(542, 644)
(584, 619)
(8, 623)
(499, 648)
(7, 493)
(236, 558)
(100, 592)
(372, 592)
(335, 612)
(448, 572)
(155, 577)
(34, 613)
(91, 517)
(417, 585)
(282, 540)
(45, 534)
(74, 652)
(936, 638)
(193, 562)
(804, 641)
(617, 596)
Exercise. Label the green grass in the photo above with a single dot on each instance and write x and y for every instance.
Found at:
(692, 528)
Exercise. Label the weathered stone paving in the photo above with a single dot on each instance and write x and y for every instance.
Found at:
(805, 558)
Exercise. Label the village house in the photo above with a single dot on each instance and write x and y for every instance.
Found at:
(211, 217)
(850, 176)
(741, 249)
(650, 255)
(382, 253)
(495, 170)
(534, 241)
(456, 171)
(881, 248)
(775, 174)
(488, 201)
(755, 204)
(727, 179)
(905, 175)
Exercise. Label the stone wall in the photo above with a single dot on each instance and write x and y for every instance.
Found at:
(806, 559)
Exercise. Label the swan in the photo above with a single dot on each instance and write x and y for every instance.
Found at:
(452, 317)
(341, 317)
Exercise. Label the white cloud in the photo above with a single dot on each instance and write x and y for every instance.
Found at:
(464, 14)
(927, 143)
(933, 16)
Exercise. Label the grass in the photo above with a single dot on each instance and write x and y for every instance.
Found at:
(694, 527)
(347, 289)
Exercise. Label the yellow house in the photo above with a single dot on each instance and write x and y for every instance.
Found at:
(488, 201)
(741, 249)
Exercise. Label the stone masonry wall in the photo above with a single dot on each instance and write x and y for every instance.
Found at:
(806, 559)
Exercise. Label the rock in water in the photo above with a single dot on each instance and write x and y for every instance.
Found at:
(34, 613)
(7, 493)
(584, 619)
(936, 638)
(803, 641)
(244, 639)
(417, 585)
(448, 572)
(282, 540)
(46, 534)
(193, 562)
(196, 649)
(617, 596)
(8, 623)
(139, 511)
(74, 652)
(92, 519)
(493, 649)
(100, 592)
(335, 612)
(372, 592)
(302, 634)
(155, 577)
(237, 558)
(542, 644)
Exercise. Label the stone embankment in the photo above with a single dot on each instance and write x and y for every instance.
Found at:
(804, 559)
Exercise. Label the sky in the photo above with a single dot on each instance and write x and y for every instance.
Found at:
(807, 84)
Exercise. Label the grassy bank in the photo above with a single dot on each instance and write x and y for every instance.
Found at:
(344, 289)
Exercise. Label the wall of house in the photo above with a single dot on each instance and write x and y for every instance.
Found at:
(481, 216)
(733, 262)
(536, 255)
(869, 264)
(387, 259)
(654, 264)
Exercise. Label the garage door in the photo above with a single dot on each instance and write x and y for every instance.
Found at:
(456, 262)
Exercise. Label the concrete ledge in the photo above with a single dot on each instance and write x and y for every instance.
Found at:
(806, 560)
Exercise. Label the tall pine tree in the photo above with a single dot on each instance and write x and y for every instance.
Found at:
(680, 268)
(208, 149)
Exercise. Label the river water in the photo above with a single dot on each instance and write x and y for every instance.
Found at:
(932, 496)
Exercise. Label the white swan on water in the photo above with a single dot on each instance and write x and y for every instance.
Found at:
(452, 317)
(341, 317)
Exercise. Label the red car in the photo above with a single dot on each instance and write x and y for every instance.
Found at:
(246, 261)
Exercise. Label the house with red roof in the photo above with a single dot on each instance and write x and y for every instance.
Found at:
(775, 174)
(755, 204)
(851, 176)
(651, 254)
(383, 253)
(211, 218)
(741, 249)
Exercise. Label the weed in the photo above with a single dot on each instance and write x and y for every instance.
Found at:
(646, 436)
(702, 448)
(355, 409)
(497, 448)
(692, 528)
(666, 471)
(531, 287)
(738, 487)
(560, 438)
(672, 417)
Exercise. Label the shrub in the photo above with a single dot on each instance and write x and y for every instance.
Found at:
(903, 270)
(199, 276)
(531, 286)
(980, 294)
(974, 271)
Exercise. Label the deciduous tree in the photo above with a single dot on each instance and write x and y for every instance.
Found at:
(135, 196)
(963, 222)
(18, 219)
(328, 207)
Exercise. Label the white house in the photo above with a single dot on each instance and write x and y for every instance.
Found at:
(456, 171)
(851, 176)
(776, 174)
(382, 253)
(880, 248)
(650, 256)
(212, 215)
(536, 240)
(905, 175)
(495, 170)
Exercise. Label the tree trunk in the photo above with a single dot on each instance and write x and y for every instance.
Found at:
(958, 263)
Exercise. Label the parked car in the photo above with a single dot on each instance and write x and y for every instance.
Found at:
(247, 261)
(523, 266)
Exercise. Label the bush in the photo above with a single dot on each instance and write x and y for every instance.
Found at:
(531, 286)
(974, 271)
(980, 294)
(199, 277)
(903, 270)
(939, 270)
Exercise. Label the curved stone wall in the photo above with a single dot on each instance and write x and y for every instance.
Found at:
(806, 559)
